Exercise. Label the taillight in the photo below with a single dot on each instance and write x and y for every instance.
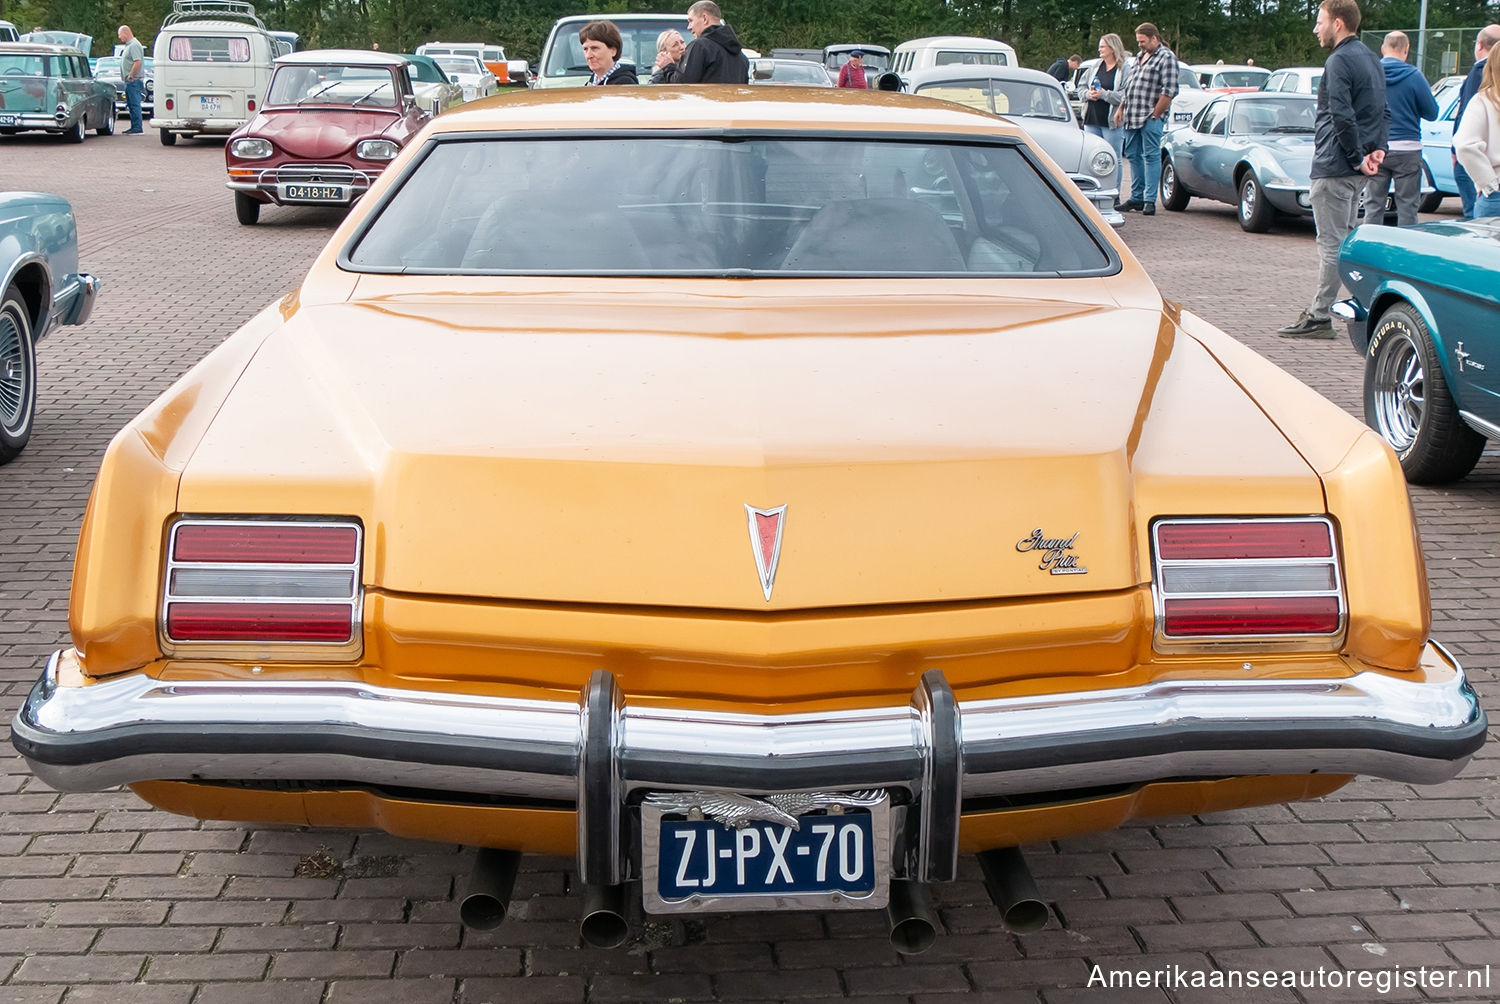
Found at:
(231, 581)
(169, 104)
(1247, 580)
(250, 105)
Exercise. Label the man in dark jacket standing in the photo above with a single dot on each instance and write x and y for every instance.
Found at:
(715, 56)
(1348, 147)
(1409, 98)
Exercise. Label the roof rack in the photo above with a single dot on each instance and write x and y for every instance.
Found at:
(213, 10)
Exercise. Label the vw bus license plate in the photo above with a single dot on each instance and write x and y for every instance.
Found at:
(832, 860)
(209, 104)
(314, 193)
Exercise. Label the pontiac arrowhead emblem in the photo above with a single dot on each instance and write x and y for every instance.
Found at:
(765, 540)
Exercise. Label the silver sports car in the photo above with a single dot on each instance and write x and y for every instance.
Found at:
(1035, 101)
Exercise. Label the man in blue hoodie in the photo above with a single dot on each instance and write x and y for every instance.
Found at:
(1408, 96)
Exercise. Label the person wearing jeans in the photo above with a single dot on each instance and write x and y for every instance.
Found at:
(1348, 148)
(1142, 114)
(1105, 93)
(132, 69)
(1483, 42)
(1477, 140)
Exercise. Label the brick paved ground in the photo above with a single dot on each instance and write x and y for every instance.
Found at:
(104, 900)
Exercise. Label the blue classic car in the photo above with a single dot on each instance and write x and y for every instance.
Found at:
(40, 287)
(1252, 150)
(51, 88)
(1425, 312)
(1437, 144)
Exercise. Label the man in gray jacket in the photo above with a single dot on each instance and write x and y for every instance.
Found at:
(1348, 147)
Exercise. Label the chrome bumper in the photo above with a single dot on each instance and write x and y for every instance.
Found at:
(595, 751)
(137, 728)
(76, 301)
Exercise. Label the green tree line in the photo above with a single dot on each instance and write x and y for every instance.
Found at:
(1272, 32)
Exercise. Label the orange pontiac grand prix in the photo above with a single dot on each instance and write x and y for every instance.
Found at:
(764, 496)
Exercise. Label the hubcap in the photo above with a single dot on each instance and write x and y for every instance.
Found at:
(13, 375)
(1247, 199)
(1400, 392)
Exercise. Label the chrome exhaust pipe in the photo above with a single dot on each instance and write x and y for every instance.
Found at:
(913, 924)
(603, 924)
(1013, 890)
(487, 899)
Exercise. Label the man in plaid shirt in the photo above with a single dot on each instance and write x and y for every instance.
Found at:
(1143, 113)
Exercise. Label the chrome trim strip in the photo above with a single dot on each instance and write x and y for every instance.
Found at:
(137, 728)
(1488, 429)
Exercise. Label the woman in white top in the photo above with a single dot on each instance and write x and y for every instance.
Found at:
(1477, 141)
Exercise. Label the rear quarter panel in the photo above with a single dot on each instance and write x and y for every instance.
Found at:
(1450, 275)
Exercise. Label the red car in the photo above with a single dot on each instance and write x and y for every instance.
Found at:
(332, 120)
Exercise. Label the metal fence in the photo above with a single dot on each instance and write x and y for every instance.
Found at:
(1447, 50)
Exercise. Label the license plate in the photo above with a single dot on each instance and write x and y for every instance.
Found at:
(314, 193)
(6, 120)
(1182, 116)
(830, 861)
(209, 104)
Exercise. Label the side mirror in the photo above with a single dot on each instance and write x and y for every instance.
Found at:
(763, 69)
(889, 82)
(518, 68)
(452, 78)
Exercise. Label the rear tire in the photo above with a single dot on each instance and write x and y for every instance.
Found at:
(246, 209)
(1407, 401)
(1255, 212)
(75, 133)
(1173, 195)
(168, 138)
(17, 375)
(108, 128)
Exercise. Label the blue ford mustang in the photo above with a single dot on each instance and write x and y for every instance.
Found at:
(1425, 312)
(40, 287)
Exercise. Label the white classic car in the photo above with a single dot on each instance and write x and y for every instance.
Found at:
(1035, 102)
(470, 74)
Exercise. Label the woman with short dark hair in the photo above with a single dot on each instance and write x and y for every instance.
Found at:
(601, 51)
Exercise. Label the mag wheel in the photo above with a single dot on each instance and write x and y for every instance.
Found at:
(1407, 401)
(1255, 212)
(1173, 195)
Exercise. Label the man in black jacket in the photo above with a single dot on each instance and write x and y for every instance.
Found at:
(1348, 147)
(715, 55)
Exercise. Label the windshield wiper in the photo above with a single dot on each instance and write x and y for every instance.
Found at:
(312, 94)
(577, 69)
(369, 93)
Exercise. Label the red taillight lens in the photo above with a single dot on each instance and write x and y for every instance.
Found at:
(252, 580)
(169, 104)
(320, 622)
(1240, 540)
(1246, 615)
(250, 105)
(1262, 579)
(266, 543)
